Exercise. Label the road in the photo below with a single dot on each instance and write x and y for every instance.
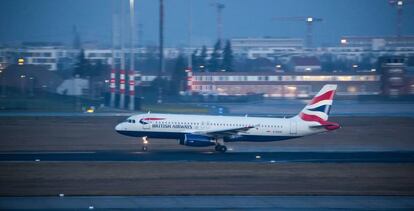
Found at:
(210, 156)
(211, 202)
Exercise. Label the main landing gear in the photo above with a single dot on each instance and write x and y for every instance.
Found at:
(220, 146)
(145, 143)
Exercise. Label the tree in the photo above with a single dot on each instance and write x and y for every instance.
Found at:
(228, 57)
(178, 77)
(215, 58)
(195, 60)
(203, 58)
(82, 66)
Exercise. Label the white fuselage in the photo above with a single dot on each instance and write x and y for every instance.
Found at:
(174, 126)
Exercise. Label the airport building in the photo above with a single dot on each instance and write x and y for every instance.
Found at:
(292, 84)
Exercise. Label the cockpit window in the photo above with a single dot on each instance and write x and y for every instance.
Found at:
(130, 120)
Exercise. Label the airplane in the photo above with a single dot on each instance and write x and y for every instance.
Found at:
(210, 130)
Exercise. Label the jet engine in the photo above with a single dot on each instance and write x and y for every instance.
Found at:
(197, 140)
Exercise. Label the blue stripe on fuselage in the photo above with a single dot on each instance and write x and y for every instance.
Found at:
(172, 135)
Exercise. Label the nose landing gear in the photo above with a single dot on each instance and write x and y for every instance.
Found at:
(145, 143)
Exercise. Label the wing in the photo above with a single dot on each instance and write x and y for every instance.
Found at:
(223, 132)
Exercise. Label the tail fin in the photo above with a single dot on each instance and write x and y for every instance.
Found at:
(318, 108)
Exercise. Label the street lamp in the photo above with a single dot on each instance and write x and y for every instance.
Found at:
(20, 61)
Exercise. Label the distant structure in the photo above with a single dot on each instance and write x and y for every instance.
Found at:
(399, 5)
(305, 64)
(219, 7)
(394, 72)
(378, 43)
(161, 48)
(131, 75)
(114, 72)
(122, 76)
(77, 44)
(281, 84)
(309, 26)
(265, 47)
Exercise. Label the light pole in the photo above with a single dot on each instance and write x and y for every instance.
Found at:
(131, 76)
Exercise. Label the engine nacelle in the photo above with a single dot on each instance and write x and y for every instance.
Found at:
(197, 140)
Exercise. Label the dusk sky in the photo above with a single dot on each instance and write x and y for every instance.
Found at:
(52, 20)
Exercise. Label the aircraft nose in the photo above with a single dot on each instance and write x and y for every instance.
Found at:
(118, 127)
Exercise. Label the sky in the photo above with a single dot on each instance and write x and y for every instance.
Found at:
(53, 20)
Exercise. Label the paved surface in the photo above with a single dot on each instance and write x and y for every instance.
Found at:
(209, 156)
(268, 107)
(211, 202)
(340, 108)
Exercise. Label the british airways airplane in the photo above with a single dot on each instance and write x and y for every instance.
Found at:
(208, 130)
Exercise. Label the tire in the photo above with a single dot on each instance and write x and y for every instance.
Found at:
(223, 148)
(217, 148)
(144, 148)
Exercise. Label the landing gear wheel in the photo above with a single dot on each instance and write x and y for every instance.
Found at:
(220, 148)
(145, 143)
(144, 148)
(217, 148)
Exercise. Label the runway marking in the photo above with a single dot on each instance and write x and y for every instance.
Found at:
(45, 152)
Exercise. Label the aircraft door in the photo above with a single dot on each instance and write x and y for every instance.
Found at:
(293, 127)
(203, 125)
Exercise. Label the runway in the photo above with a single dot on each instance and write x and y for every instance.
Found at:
(211, 202)
(210, 156)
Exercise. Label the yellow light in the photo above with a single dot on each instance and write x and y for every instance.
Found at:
(344, 78)
(20, 61)
(292, 88)
(352, 89)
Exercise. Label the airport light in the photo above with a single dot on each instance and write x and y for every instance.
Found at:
(22, 76)
(355, 66)
(373, 70)
(309, 19)
(344, 41)
(400, 3)
(291, 88)
(20, 61)
(278, 66)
